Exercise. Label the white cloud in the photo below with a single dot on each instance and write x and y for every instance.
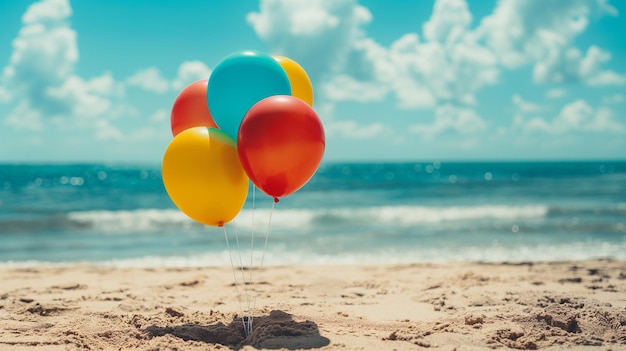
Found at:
(453, 61)
(40, 73)
(520, 31)
(124, 110)
(616, 98)
(40, 80)
(555, 93)
(160, 115)
(50, 11)
(437, 72)
(355, 130)
(150, 133)
(44, 54)
(344, 87)
(577, 116)
(85, 98)
(327, 39)
(571, 66)
(316, 34)
(25, 117)
(326, 112)
(105, 131)
(304, 18)
(535, 124)
(149, 79)
(525, 106)
(349, 128)
(450, 18)
(541, 33)
(448, 65)
(189, 72)
(5, 95)
(451, 118)
(399, 71)
(574, 116)
(590, 71)
(45, 50)
(604, 121)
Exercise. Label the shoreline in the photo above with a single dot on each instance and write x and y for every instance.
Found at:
(181, 262)
(407, 306)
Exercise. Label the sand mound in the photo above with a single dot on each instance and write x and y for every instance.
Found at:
(274, 331)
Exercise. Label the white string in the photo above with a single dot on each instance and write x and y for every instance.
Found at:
(245, 285)
(232, 266)
(252, 239)
(267, 233)
(248, 286)
(251, 257)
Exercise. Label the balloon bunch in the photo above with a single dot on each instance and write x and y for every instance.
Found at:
(252, 119)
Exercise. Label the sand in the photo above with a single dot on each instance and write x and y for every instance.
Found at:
(451, 306)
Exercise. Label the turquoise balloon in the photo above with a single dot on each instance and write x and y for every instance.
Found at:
(238, 82)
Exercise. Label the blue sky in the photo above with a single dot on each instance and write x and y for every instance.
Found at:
(91, 81)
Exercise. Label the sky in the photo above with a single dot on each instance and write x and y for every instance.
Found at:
(448, 80)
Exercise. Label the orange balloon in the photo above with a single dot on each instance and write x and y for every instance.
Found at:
(280, 144)
(191, 109)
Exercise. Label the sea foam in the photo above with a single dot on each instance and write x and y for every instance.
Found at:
(159, 219)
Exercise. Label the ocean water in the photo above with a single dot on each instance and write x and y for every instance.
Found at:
(348, 213)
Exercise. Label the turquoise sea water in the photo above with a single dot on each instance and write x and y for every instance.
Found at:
(348, 213)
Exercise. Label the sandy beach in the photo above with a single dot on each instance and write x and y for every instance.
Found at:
(451, 306)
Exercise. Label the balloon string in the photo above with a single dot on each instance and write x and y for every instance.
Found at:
(250, 284)
(232, 266)
(243, 279)
(252, 239)
(267, 233)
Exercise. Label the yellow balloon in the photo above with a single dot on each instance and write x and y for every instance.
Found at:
(203, 176)
(300, 83)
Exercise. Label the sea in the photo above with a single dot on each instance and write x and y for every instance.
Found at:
(348, 213)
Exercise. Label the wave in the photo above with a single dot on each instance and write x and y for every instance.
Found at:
(167, 219)
(135, 220)
(408, 215)
(140, 220)
(106, 221)
(278, 256)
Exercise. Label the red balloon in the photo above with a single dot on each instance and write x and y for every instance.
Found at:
(280, 144)
(191, 109)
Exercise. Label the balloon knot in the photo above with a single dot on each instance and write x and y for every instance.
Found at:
(276, 200)
(220, 223)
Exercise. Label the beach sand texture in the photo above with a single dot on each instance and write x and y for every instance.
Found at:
(449, 306)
